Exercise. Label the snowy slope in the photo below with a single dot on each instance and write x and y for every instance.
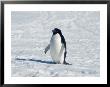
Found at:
(31, 33)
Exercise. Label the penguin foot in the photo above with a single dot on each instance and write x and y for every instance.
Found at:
(67, 63)
(62, 63)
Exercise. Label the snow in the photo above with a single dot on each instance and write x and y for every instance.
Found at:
(31, 33)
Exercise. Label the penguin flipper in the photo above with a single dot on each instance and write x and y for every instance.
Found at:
(64, 62)
(47, 48)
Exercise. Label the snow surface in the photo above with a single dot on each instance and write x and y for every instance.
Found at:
(31, 33)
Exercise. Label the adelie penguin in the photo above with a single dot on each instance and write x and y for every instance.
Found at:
(57, 47)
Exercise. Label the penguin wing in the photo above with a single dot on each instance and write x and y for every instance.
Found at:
(63, 41)
(65, 56)
(65, 50)
(47, 48)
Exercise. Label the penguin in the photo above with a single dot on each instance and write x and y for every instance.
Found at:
(57, 47)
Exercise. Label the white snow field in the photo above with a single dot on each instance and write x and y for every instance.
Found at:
(31, 33)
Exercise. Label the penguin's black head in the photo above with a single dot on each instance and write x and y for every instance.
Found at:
(56, 30)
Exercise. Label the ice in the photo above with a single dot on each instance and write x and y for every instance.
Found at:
(31, 33)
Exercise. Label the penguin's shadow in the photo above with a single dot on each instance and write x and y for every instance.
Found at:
(39, 61)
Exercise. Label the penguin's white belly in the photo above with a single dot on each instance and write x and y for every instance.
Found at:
(56, 49)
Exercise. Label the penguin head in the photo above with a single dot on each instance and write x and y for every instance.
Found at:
(56, 30)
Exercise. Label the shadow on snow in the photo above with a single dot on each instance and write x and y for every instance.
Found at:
(40, 61)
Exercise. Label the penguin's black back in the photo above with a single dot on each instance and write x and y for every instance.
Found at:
(63, 40)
